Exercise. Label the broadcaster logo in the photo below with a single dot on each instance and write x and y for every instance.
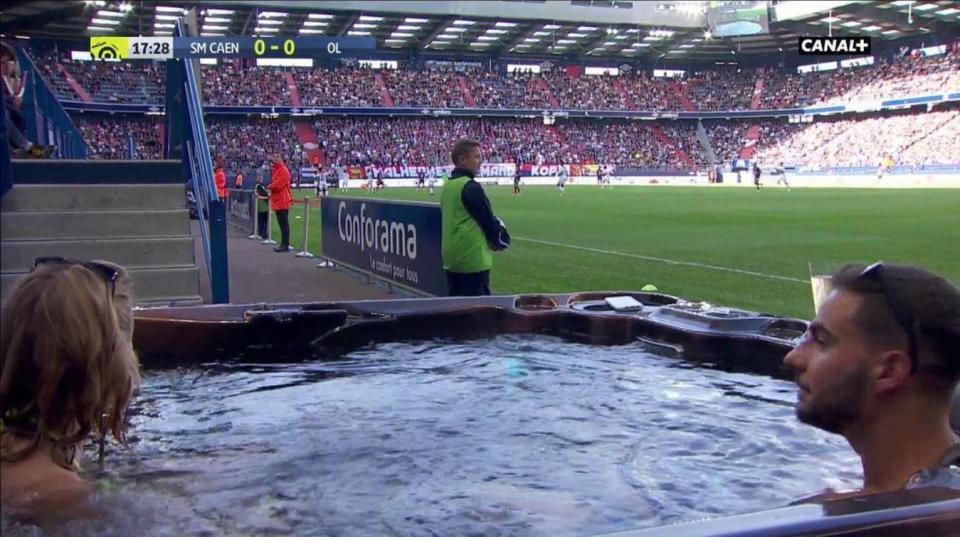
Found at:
(108, 48)
(823, 45)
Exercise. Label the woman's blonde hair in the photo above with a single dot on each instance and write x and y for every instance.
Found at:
(67, 365)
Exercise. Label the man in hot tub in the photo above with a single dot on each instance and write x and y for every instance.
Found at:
(879, 365)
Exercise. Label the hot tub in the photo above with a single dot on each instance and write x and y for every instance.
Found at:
(520, 415)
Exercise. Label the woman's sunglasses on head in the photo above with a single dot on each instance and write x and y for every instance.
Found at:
(108, 273)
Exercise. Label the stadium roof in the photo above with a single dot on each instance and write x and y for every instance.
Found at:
(611, 29)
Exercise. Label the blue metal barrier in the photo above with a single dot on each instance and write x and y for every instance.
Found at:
(185, 138)
(46, 120)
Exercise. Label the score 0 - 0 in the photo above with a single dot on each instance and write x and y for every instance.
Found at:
(289, 47)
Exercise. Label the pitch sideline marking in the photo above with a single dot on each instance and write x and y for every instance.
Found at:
(664, 260)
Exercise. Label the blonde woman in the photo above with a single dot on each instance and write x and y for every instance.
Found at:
(67, 370)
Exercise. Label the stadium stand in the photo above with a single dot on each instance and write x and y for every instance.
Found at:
(343, 86)
(232, 85)
(909, 138)
(863, 141)
(112, 137)
(249, 143)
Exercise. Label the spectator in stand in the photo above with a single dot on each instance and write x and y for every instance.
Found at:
(281, 198)
(220, 178)
(13, 91)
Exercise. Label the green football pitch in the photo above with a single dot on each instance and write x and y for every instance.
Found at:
(727, 246)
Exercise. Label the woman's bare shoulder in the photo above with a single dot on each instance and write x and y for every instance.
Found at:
(44, 492)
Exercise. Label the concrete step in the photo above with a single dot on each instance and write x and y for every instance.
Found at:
(61, 198)
(81, 172)
(155, 285)
(93, 224)
(18, 256)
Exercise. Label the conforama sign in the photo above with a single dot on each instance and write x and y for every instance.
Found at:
(833, 45)
(394, 241)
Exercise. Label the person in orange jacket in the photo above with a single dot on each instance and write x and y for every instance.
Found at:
(220, 178)
(281, 198)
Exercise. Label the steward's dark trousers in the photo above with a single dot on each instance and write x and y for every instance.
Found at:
(468, 283)
(262, 219)
(283, 219)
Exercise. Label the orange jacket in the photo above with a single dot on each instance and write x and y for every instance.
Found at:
(220, 178)
(280, 195)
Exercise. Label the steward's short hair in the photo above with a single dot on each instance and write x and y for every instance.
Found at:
(461, 148)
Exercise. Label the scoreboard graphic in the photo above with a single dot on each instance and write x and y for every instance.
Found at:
(168, 48)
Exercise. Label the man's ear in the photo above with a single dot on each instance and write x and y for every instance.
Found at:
(892, 371)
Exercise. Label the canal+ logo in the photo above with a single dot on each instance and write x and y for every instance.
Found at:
(833, 45)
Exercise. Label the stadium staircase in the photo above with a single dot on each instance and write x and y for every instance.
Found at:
(557, 134)
(74, 85)
(757, 91)
(467, 95)
(384, 92)
(305, 133)
(678, 92)
(129, 212)
(542, 84)
(752, 135)
(624, 96)
(705, 144)
(678, 152)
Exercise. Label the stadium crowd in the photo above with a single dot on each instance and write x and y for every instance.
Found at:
(343, 86)
(719, 89)
(429, 87)
(398, 141)
(112, 138)
(623, 144)
(726, 138)
(512, 90)
(230, 83)
(586, 92)
(906, 75)
(907, 139)
(249, 143)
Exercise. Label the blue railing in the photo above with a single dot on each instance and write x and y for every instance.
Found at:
(47, 121)
(185, 138)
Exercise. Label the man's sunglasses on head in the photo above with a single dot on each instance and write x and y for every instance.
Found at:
(875, 272)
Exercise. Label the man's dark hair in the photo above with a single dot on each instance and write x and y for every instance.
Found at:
(461, 149)
(898, 299)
